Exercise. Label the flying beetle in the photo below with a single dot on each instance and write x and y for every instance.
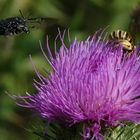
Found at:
(18, 25)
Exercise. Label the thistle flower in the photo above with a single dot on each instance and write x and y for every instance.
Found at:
(90, 83)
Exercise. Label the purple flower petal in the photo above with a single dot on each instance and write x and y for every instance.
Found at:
(90, 82)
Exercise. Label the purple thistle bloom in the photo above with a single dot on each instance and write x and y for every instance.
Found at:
(90, 83)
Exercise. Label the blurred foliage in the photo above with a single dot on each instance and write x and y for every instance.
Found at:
(81, 17)
(53, 131)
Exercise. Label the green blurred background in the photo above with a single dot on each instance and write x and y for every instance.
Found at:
(81, 17)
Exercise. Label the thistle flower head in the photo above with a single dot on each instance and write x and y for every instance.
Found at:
(90, 83)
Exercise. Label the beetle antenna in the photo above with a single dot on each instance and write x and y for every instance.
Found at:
(21, 14)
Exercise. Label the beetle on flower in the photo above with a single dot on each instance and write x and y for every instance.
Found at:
(90, 83)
